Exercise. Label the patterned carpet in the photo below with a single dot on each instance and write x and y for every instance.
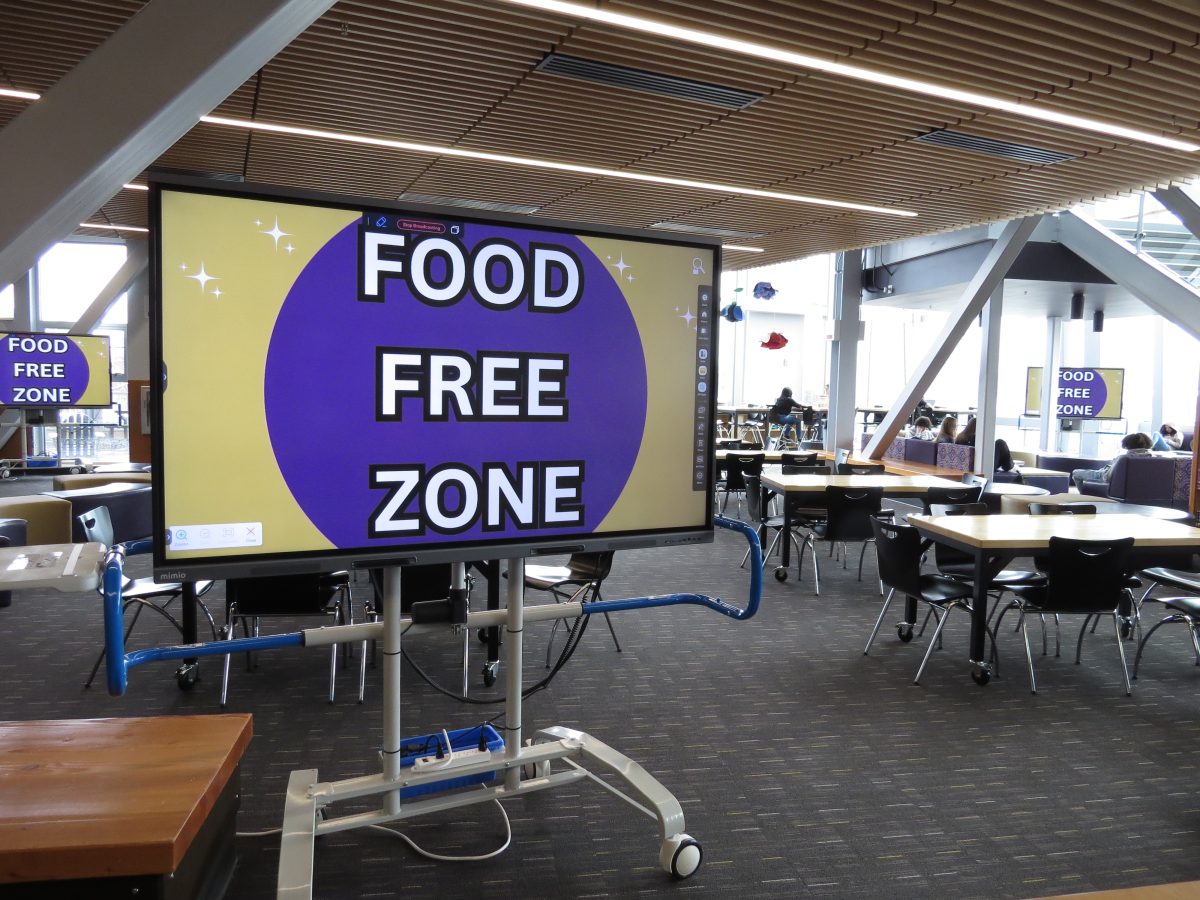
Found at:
(803, 767)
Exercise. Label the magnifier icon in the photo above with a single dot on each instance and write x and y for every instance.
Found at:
(697, 266)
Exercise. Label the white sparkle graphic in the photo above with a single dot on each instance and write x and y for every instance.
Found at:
(629, 278)
(258, 223)
(183, 267)
(288, 247)
(620, 265)
(203, 277)
(217, 292)
(688, 317)
(276, 233)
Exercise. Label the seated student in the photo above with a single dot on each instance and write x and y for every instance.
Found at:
(1134, 444)
(967, 435)
(1003, 456)
(948, 432)
(923, 429)
(1167, 437)
(781, 413)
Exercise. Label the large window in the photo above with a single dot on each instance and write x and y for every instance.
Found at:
(70, 275)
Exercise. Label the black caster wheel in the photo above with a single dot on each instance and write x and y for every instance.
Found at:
(482, 635)
(75, 470)
(186, 676)
(6, 472)
(1126, 630)
(904, 631)
(980, 675)
(781, 574)
(489, 674)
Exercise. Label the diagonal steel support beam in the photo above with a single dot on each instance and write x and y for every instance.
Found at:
(1151, 282)
(990, 275)
(118, 110)
(134, 266)
(1182, 205)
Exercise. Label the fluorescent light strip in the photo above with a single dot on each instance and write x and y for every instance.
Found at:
(20, 95)
(546, 164)
(113, 227)
(135, 187)
(803, 61)
(741, 248)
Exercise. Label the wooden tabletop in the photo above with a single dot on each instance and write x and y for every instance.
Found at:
(891, 484)
(64, 567)
(770, 456)
(85, 798)
(1016, 532)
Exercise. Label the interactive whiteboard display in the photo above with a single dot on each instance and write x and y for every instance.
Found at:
(54, 370)
(350, 381)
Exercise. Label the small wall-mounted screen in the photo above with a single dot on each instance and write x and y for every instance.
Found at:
(39, 371)
(1081, 393)
(351, 381)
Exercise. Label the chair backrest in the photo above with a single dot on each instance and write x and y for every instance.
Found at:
(972, 478)
(898, 548)
(738, 466)
(596, 566)
(968, 493)
(280, 595)
(807, 470)
(807, 416)
(417, 584)
(849, 468)
(798, 459)
(1062, 509)
(946, 556)
(97, 525)
(1087, 575)
(851, 511)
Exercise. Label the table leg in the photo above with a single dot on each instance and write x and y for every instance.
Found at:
(188, 671)
(785, 552)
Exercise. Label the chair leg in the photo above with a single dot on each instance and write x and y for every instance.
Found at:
(921, 630)
(816, 569)
(612, 632)
(226, 634)
(333, 658)
(1137, 660)
(883, 612)
(1028, 654)
(937, 633)
(1121, 652)
(861, 554)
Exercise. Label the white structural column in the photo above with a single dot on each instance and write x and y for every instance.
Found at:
(991, 273)
(1048, 407)
(1182, 205)
(118, 110)
(989, 381)
(1151, 282)
(1089, 439)
(843, 354)
(137, 332)
(136, 259)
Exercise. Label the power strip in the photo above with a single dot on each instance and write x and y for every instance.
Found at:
(460, 758)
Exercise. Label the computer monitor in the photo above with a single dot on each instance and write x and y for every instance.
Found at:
(347, 381)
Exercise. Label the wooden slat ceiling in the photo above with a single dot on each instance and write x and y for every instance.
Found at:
(462, 73)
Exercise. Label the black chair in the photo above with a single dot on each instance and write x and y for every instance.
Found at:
(808, 419)
(761, 517)
(972, 478)
(940, 496)
(737, 467)
(580, 579)
(1085, 578)
(848, 516)
(139, 593)
(899, 549)
(859, 468)
(796, 463)
(249, 600)
(1185, 609)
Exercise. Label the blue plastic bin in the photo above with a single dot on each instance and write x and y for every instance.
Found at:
(413, 749)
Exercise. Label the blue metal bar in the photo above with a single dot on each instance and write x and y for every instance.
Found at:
(119, 662)
(715, 603)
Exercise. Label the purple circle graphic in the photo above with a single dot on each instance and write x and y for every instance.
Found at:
(1081, 387)
(37, 363)
(320, 391)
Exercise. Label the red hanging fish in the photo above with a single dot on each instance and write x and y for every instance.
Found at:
(775, 342)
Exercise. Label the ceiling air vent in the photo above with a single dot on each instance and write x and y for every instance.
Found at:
(492, 205)
(702, 229)
(640, 80)
(1038, 156)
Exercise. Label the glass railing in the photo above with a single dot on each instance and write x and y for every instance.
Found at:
(1151, 230)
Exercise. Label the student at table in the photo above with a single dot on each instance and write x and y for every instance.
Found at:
(781, 412)
(1136, 443)
(923, 429)
(967, 435)
(948, 432)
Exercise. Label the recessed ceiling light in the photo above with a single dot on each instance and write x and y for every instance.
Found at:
(107, 227)
(742, 248)
(803, 61)
(20, 95)
(705, 229)
(547, 164)
(492, 205)
(135, 187)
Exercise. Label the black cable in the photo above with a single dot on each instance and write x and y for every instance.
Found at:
(574, 636)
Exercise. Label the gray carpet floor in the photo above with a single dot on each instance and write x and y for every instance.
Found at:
(803, 767)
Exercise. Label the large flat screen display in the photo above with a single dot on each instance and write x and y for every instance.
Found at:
(349, 381)
(1081, 393)
(39, 371)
